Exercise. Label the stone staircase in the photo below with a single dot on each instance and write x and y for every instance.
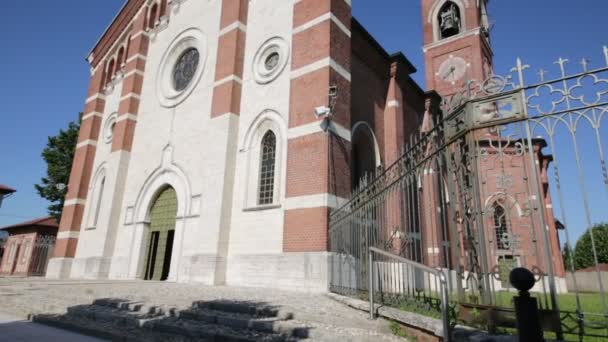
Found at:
(123, 320)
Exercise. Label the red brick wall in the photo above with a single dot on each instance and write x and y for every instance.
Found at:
(317, 164)
(230, 59)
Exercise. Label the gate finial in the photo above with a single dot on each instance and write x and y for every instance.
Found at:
(562, 65)
(519, 68)
(585, 64)
(542, 74)
(606, 54)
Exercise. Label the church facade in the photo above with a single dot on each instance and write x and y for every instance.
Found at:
(218, 135)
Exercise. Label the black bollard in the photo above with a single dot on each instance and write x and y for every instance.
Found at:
(526, 308)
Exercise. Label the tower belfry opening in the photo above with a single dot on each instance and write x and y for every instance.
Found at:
(450, 22)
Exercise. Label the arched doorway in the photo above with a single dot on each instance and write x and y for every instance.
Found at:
(158, 245)
(364, 154)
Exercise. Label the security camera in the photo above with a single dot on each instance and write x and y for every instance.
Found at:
(322, 111)
(333, 91)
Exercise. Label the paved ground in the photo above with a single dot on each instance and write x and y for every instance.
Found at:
(13, 329)
(321, 314)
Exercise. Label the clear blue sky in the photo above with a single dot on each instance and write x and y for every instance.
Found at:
(44, 76)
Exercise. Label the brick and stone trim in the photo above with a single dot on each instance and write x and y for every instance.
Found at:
(318, 163)
(230, 58)
(82, 167)
(226, 103)
(84, 156)
(132, 85)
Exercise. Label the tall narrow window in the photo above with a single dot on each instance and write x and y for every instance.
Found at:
(127, 49)
(119, 59)
(110, 71)
(152, 17)
(267, 166)
(163, 8)
(98, 202)
(501, 228)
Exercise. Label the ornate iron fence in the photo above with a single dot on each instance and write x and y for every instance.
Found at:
(508, 175)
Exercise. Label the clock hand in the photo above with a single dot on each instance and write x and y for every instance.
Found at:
(450, 72)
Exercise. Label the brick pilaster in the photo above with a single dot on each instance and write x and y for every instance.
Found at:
(226, 103)
(317, 163)
(230, 58)
(82, 168)
(132, 85)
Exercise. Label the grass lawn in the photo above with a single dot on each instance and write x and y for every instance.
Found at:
(595, 313)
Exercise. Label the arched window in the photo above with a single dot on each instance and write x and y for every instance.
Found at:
(163, 8)
(110, 71)
(119, 59)
(98, 199)
(501, 228)
(450, 20)
(127, 48)
(267, 167)
(364, 155)
(152, 16)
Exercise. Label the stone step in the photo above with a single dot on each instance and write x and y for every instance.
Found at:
(214, 332)
(106, 330)
(237, 320)
(116, 316)
(135, 306)
(133, 321)
(247, 308)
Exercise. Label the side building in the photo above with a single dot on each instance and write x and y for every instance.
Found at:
(28, 247)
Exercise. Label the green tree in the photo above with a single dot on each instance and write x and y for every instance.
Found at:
(58, 155)
(583, 253)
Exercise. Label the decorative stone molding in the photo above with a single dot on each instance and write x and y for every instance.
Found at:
(190, 38)
(270, 60)
(108, 128)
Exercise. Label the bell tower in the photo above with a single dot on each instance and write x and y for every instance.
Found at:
(456, 43)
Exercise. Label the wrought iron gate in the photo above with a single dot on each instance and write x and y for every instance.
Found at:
(509, 175)
(41, 254)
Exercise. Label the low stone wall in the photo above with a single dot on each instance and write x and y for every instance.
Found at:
(587, 281)
(421, 327)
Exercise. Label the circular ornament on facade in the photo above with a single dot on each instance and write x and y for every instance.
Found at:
(108, 128)
(181, 67)
(270, 60)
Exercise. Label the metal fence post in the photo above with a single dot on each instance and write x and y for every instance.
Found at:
(371, 285)
(526, 307)
(445, 307)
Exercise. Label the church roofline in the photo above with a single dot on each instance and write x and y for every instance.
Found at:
(398, 56)
(122, 19)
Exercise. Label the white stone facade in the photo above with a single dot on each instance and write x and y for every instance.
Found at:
(222, 236)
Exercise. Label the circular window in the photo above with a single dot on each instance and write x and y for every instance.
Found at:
(270, 60)
(181, 67)
(185, 69)
(108, 130)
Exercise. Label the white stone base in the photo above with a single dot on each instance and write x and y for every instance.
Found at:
(307, 272)
(91, 268)
(59, 268)
(199, 268)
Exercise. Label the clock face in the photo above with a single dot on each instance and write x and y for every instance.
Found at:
(452, 69)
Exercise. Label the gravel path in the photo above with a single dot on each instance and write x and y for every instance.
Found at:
(325, 317)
